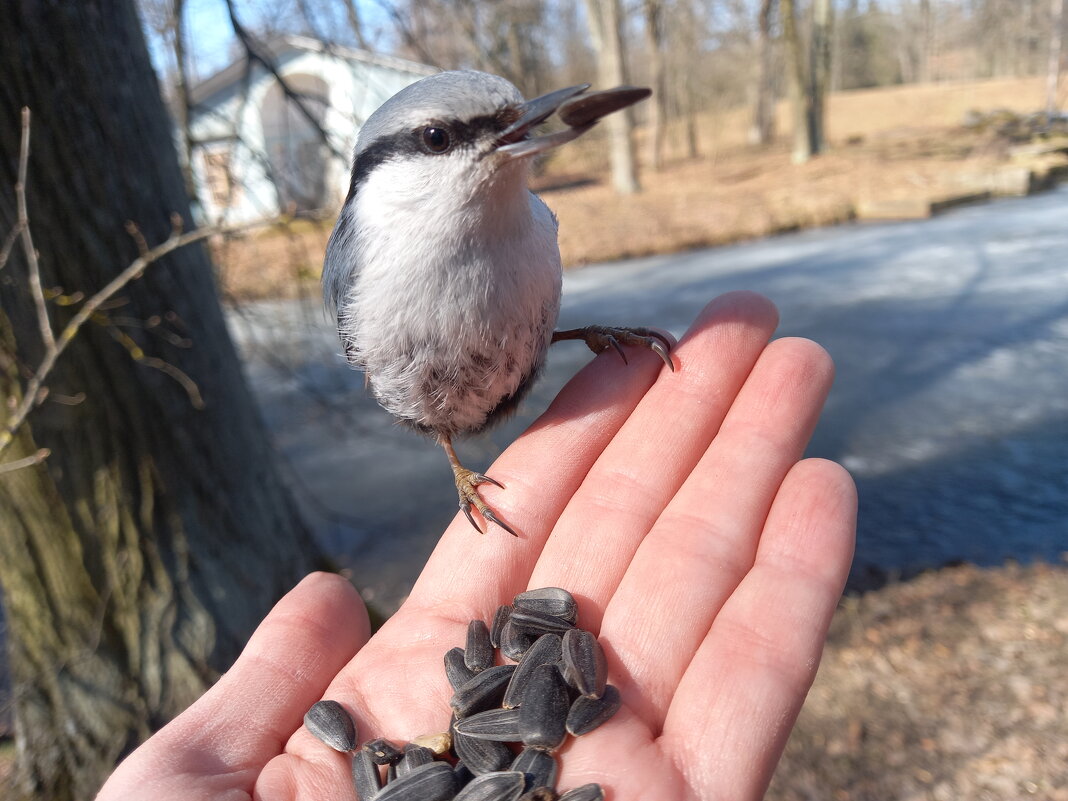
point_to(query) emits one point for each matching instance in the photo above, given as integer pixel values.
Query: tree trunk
(764, 109)
(607, 35)
(808, 86)
(138, 557)
(1053, 68)
(654, 45)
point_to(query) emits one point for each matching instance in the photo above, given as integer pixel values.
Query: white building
(255, 152)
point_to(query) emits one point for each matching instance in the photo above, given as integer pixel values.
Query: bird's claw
(466, 482)
(601, 338)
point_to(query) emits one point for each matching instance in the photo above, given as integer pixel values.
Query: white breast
(454, 301)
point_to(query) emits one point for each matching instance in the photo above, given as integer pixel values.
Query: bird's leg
(466, 483)
(599, 338)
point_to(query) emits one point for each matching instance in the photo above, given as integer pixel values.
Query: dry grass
(886, 143)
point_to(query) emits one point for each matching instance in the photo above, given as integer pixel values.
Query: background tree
(137, 558)
(764, 108)
(808, 71)
(604, 19)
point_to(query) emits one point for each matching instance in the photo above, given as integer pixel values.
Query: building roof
(280, 45)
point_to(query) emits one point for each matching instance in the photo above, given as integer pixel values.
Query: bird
(443, 269)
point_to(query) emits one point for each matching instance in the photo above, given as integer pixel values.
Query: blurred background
(888, 173)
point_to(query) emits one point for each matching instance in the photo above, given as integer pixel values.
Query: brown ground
(951, 686)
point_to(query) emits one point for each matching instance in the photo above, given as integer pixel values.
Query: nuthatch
(444, 269)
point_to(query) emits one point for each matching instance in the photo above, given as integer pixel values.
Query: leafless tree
(653, 11)
(808, 72)
(763, 130)
(604, 19)
(1053, 70)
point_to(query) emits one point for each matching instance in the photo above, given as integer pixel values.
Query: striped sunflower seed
(546, 650)
(586, 714)
(584, 664)
(430, 782)
(483, 691)
(329, 722)
(587, 792)
(498, 786)
(493, 724)
(538, 768)
(549, 600)
(478, 652)
(500, 617)
(456, 669)
(544, 709)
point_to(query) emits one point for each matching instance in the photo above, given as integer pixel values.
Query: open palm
(704, 552)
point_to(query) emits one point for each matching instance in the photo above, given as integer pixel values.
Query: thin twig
(27, 461)
(177, 240)
(28, 249)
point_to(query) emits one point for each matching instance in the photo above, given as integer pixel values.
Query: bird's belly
(456, 377)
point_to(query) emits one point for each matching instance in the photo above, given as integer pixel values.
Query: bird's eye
(436, 140)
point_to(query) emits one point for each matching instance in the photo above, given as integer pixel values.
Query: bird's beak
(577, 109)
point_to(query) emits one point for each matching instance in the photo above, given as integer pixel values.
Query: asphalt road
(950, 408)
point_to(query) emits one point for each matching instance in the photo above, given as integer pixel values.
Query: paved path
(951, 405)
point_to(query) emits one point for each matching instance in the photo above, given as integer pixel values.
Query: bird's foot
(600, 338)
(467, 482)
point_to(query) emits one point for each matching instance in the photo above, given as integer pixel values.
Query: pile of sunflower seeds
(507, 720)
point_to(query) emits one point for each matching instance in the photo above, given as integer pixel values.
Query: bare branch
(28, 461)
(32, 395)
(23, 224)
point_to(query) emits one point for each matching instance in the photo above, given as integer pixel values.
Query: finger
(705, 540)
(653, 453)
(470, 574)
(741, 693)
(246, 718)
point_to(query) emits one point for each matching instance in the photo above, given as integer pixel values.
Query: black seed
(430, 782)
(478, 653)
(538, 623)
(461, 774)
(544, 708)
(515, 641)
(584, 663)
(498, 786)
(484, 691)
(365, 776)
(481, 756)
(383, 752)
(546, 650)
(537, 766)
(499, 619)
(588, 713)
(493, 724)
(587, 792)
(549, 600)
(540, 794)
(414, 756)
(456, 669)
(329, 721)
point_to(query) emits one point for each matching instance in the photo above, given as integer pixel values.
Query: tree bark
(607, 35)
(1053, 68)
(136, 560)
(654, 44)
(808, 81)
(764, 109)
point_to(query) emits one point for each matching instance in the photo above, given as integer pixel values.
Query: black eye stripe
(409, 144)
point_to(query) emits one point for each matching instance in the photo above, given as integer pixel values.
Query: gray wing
(340, 266)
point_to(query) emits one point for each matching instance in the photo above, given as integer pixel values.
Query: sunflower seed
(584, 663)
(415, 756)
(587, 792)
(383, 752)
(544, 708)
(493, 724)
(483, 691)
(540, 794)
(549, 600)
(438, 743)
(515, 641)
(587, 714)
(592, 106)
(481, 756)
(538, 623)
(365, 776)
(499, 619)
(537, 766)
(546, 650)
(329, 721)
(461, 774)
(498, 786)
(478, 653)
(430, 782)
(456, 669)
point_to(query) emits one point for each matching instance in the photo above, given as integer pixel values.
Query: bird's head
(468, 135)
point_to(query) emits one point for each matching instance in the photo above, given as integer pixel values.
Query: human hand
(706, 556)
